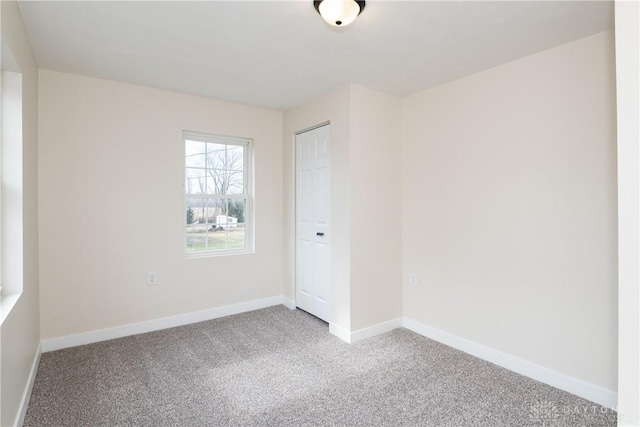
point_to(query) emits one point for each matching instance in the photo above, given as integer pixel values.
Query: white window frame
(247, 195)
(12, 208)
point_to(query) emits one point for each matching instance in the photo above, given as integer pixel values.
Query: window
(217, 194)
(12, 209)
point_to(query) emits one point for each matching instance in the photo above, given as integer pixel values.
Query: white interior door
(313, 232)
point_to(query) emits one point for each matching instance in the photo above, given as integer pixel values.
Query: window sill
(6, 305)
(196, 255)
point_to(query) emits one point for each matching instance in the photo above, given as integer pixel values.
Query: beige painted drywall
(333, 108)
(365, 183)
(374, 170)
(20, 332)
(509, 209)
(627, 34)
(111, 205)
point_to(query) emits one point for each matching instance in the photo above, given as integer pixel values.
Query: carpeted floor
(279, 367)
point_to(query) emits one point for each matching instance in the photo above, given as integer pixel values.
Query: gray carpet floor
(281, 367)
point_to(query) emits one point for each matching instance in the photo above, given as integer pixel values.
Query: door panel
(313, 236)
(305, 250)
(322, 280)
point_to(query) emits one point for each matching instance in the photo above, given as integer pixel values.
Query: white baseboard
(289, 303)
(340, 332)
(26, 395)
(374, 330)
(592, 392)
(361, 334)
(58, 343)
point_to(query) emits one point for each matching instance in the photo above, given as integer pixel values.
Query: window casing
(218, 199)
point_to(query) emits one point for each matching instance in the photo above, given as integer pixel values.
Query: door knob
(319, 234)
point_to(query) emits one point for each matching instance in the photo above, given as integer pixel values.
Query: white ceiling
(280, 54)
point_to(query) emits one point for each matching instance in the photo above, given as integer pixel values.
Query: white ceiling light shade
(339, 13)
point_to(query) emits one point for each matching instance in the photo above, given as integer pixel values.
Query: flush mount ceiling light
(339, 13)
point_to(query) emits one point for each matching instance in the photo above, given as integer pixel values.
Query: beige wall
(111, 205)
(20, 333)
(334, 108)
(375, 172)
(509, 209)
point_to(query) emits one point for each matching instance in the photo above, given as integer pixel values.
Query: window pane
(216, 156)
(216, 181)
(235, 158)
(235, 181)
(217, 207)
(195, 154)
(235, 224)
(223, 182)
(195, 181)
(216, 238)
(212, 211)
(196, 225)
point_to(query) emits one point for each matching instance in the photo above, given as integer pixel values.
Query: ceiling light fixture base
(339, 13)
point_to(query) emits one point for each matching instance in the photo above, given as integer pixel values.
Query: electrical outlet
(413, 279)
(152, 278)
